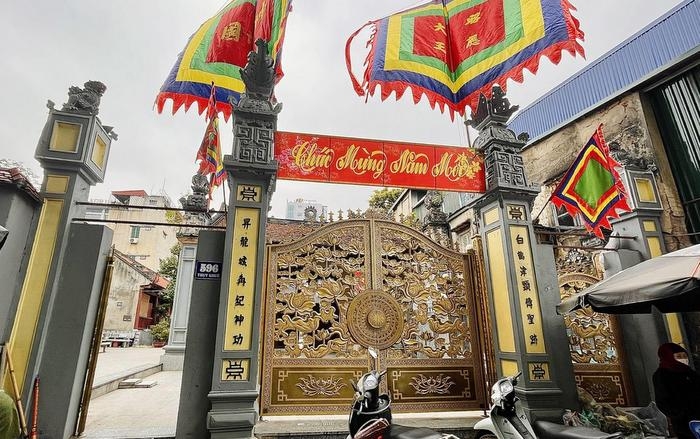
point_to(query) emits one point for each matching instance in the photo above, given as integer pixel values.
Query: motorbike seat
(550, 430)
(403, 432)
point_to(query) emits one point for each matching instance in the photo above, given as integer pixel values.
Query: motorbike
(507, 419)
(370, 415)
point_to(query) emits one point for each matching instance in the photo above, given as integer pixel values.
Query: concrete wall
(18, 214)
(123, 297)
(70, 322)
(154, 242)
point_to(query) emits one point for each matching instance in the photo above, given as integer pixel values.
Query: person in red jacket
(677, 389)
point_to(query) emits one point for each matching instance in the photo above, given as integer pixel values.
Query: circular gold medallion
(375, 319)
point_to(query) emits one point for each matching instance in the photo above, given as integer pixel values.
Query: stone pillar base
(233, 414)
(173, 358)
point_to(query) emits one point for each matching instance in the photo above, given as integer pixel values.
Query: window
(135, 231)
(562, 217)
(677, 109)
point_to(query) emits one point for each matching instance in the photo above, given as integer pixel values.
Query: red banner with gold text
(311, 157)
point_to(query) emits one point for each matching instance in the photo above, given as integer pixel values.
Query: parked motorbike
(370, 416)
(507, 419)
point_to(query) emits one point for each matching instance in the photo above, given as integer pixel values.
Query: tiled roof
(652, 50)
(13, 176)
(133, 193)
(146, 272)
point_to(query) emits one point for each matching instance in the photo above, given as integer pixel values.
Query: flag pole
(223, 190)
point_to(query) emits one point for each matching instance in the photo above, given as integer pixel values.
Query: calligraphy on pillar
(241, 293)
(530, 314)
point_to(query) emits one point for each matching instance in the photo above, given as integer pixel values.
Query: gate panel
(432, 366)
(595, 347)
(368, 282)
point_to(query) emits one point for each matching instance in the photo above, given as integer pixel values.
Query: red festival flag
(218, 50)
(209, 153)
(452, 51)
(592, 186)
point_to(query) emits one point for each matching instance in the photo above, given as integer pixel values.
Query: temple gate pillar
(251, 176)
(196, 205)
(61, 290)
(521, 279)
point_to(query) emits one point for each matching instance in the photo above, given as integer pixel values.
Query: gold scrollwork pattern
(594, 347)
(313, 288)
(591, 336)
(367, 282)
(430, 286)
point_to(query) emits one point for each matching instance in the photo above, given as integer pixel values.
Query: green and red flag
(452, 51)
(218, 50)
(592, 186)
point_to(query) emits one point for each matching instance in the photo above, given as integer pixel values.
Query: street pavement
(133, 413)
(152, 412)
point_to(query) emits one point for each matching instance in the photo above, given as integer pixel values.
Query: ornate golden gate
(595, 347)
(369, 282)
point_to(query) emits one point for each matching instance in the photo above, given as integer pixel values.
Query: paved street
(114, 361)
(152, 412)
(133, 413)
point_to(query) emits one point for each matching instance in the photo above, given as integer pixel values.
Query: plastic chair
(695, 428)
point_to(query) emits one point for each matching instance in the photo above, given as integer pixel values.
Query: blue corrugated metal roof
(655, 47)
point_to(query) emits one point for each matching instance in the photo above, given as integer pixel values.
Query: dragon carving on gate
(591, 336)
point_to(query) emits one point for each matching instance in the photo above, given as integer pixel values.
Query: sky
(131, 45)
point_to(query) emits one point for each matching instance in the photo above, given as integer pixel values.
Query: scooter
(370, 416)
(507, 419)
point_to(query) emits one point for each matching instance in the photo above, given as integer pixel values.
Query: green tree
(384, 198)
(168, 269)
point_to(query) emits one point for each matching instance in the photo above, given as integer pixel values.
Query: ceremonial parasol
(671, 283)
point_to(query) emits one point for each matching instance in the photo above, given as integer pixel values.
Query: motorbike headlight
(505, 387)
(370, 382)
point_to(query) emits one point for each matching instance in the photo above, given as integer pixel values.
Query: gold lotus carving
(314, 386)
(426, 385)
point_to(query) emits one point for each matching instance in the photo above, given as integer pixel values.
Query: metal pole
(146, 223)
(95, 347)
(130, 206)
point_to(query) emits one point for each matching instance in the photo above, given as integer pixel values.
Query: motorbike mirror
(354, 386)
(372, 351)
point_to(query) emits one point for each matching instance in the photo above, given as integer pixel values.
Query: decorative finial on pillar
(435, 223)
(196, 205)
(85, 101)
(197, 200)
(258, 75)
(497, 109)
(501, 147)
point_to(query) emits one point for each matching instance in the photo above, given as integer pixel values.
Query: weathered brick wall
(629, 122)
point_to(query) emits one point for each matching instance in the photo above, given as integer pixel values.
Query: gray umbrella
(671, 283)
